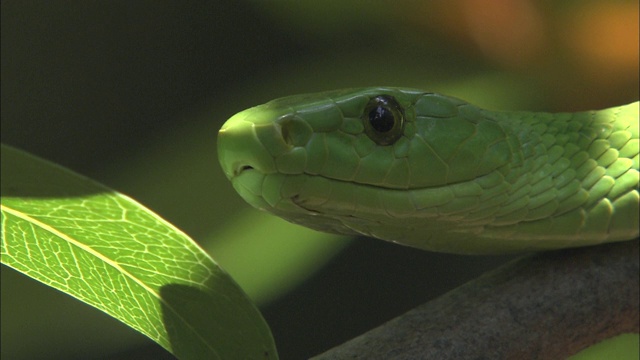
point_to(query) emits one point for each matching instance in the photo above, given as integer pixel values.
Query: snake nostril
(295, 131)
(285, 131)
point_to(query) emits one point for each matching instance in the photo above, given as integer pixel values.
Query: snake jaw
(298, 201)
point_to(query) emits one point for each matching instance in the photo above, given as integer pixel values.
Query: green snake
(437, 173)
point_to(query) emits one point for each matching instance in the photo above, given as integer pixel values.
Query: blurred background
(132, 93)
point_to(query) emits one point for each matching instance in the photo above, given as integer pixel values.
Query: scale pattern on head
(436, 140)
(419, 168)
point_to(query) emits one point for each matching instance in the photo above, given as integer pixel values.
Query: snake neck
(573, 174)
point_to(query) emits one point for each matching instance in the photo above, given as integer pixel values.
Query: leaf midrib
(107, 260)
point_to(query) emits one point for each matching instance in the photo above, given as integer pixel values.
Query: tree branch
(548, 305)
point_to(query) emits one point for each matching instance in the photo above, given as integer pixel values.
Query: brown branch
(546, 306)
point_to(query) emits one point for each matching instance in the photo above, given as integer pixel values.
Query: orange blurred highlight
(605, 37)
(509, 31)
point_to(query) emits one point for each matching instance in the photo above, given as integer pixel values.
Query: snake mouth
(239, 169)
(298, 201)
(242, 168)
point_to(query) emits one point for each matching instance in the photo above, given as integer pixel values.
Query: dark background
(133, 93)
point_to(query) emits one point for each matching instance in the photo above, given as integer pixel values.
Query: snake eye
(383, 120)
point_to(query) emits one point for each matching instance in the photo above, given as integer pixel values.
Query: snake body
(437, 173)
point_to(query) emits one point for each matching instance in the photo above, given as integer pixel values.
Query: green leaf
(620, 347)
(108, 251)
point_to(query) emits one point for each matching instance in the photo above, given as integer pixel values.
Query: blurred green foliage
(623, 347)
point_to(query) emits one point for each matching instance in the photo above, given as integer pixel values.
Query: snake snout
(239, 151)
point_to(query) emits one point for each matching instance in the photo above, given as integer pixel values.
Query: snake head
(348, 161)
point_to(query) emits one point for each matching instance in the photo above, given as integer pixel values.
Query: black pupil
(381, 119)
